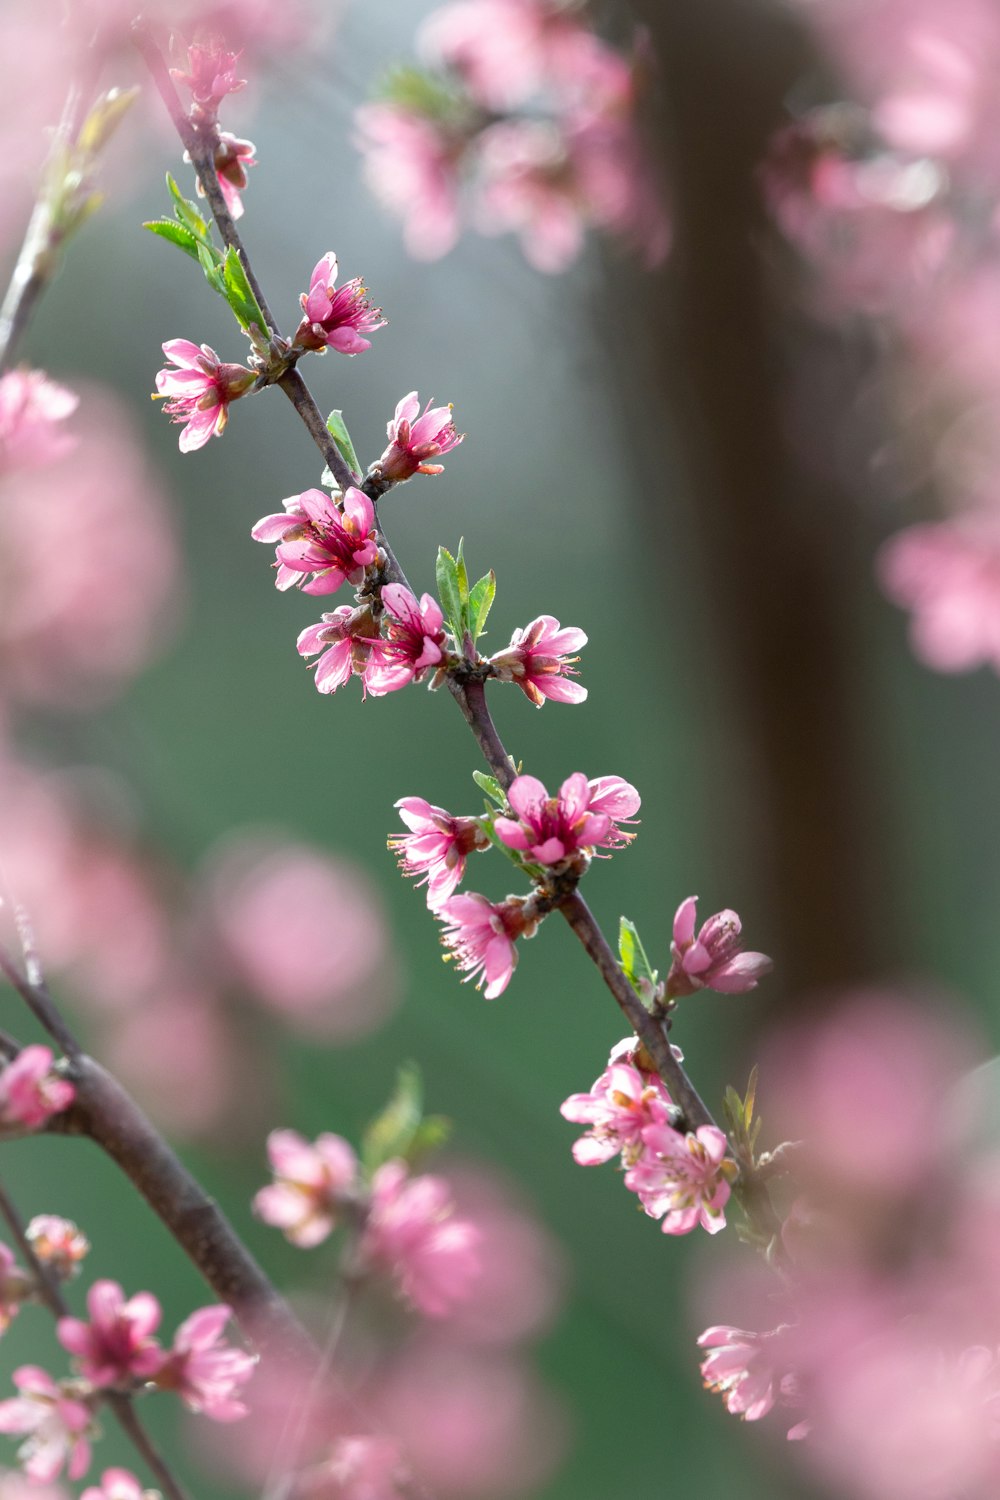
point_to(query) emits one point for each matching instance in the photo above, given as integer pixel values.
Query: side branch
(111, 1118)
(119, 1401)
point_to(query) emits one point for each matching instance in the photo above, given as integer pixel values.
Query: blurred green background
(585, 483)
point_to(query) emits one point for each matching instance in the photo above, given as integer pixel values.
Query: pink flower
(210, 76)
(32, 407)
(436, 847)
(527, 186)
(683, 1178)
(414, 438)
(619, 1107)
(412, 165)
(552, 829)
(744, 1369)
(336, 319)
(481, 936)
(948, 575)
(410, 1232)
(232, 157)
(311, 1183)
(414, 641)
(200, 390)
(30, 1092)
(15, 1286)
(58, 1244)
(503, 50)
(537, 660)
(345, 638)
(713, 960)
(116, 1484)
(314, 536)
(204, 1370)
(117, 1346)
(56, 1426)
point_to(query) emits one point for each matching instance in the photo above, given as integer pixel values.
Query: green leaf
(393, 1132)
(751, 1097)
(211, 263)
(480, 603)
(429, 1136)
(187, 211)
(491, 787)
(463, 576)
(337, 428)
(105, 115)
(169, 229)
(450, 592)
(638, 970)
(239, 293)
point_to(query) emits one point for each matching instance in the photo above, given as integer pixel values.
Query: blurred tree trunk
(785, 555)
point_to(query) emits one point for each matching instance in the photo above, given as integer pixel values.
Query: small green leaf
(393, 1132)
(748, 1105)
(187, 211)
(480, 603)
(211, 263)
(429, 1136)
(449, 592)
(463, 575)
(337, 428)
(169, 229)
(239, 293)
(638, 970)
(491, 787)
(105, 115)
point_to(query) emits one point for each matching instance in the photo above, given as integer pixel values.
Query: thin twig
(42, 1006)
(119, 1401)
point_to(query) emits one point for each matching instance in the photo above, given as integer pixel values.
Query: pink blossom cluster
(680, 1177)
(558, 833)
(892, 197)
(410, 1233)
(117, 1350)
(880, 1344)
(449, 1403)
(530, 116)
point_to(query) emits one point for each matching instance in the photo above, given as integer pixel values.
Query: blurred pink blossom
(472, 1423)
(116, 1484)
(745, 1369)
(205, 1371)
(30, 1091)
(412, 166)
(304, 932)
(311, 1184)
(948, 575)
(32, 411)
(84, 608)
(57, 1426)
(411, 1234)
(117, 1346)
(505, 51)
